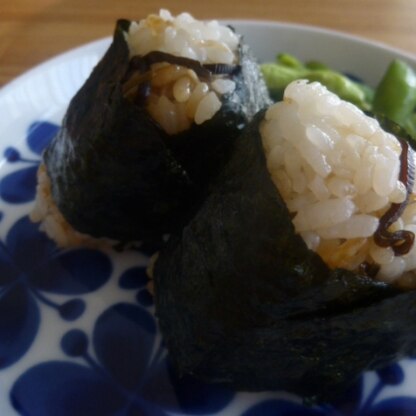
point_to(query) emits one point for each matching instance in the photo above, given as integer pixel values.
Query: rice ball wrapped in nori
(269, 288)
(148, 130)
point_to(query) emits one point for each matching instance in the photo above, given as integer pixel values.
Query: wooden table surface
(34, 30)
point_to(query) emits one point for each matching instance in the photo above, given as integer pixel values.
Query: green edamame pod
(287, 68)
(340, 85)
(289, 61)
(315, 65)
(395, 96)
(277, 77)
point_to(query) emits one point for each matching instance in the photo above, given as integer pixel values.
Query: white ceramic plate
(64, 315)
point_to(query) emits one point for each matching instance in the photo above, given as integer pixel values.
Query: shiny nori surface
(242, 301)
(115, 173)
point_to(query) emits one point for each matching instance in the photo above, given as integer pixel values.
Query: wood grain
(32, 31)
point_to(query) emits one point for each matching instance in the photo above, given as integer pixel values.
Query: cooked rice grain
(174, 85)
(337, 171)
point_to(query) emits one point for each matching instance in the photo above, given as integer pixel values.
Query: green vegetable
(287, 69)
(340, 85)
(277, 77)
(289, 61)
(368, 93)
(395, 96)
(316, 65)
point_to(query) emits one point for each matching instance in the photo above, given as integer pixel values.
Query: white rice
(182, 35)
(178, 98)
(337, 171)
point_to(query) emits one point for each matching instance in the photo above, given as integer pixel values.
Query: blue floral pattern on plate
(63, 325)
(129, 376)
(127, 372)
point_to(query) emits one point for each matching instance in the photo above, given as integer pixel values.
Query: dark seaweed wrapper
(115, 173)
(242, 301)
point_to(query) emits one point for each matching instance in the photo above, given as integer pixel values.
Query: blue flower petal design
(136, 278)
(28, 246)
(72, 310)
(65, 389)
(133, 278)
(30, 265)
(75, 343)
(74, 272)
(398, 406)
(121, 379)
(8, 271)
(11, 154)
(40, 134)
(124, 339)
(19, 186)
(391, 375)
(19, 323)
(144, 298)
(282, 408)
(71, 272)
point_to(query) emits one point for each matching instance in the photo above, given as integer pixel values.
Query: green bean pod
(395, 96)
(288, 68)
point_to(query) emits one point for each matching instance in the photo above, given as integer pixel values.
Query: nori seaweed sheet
(242, 301)
(115, 173)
